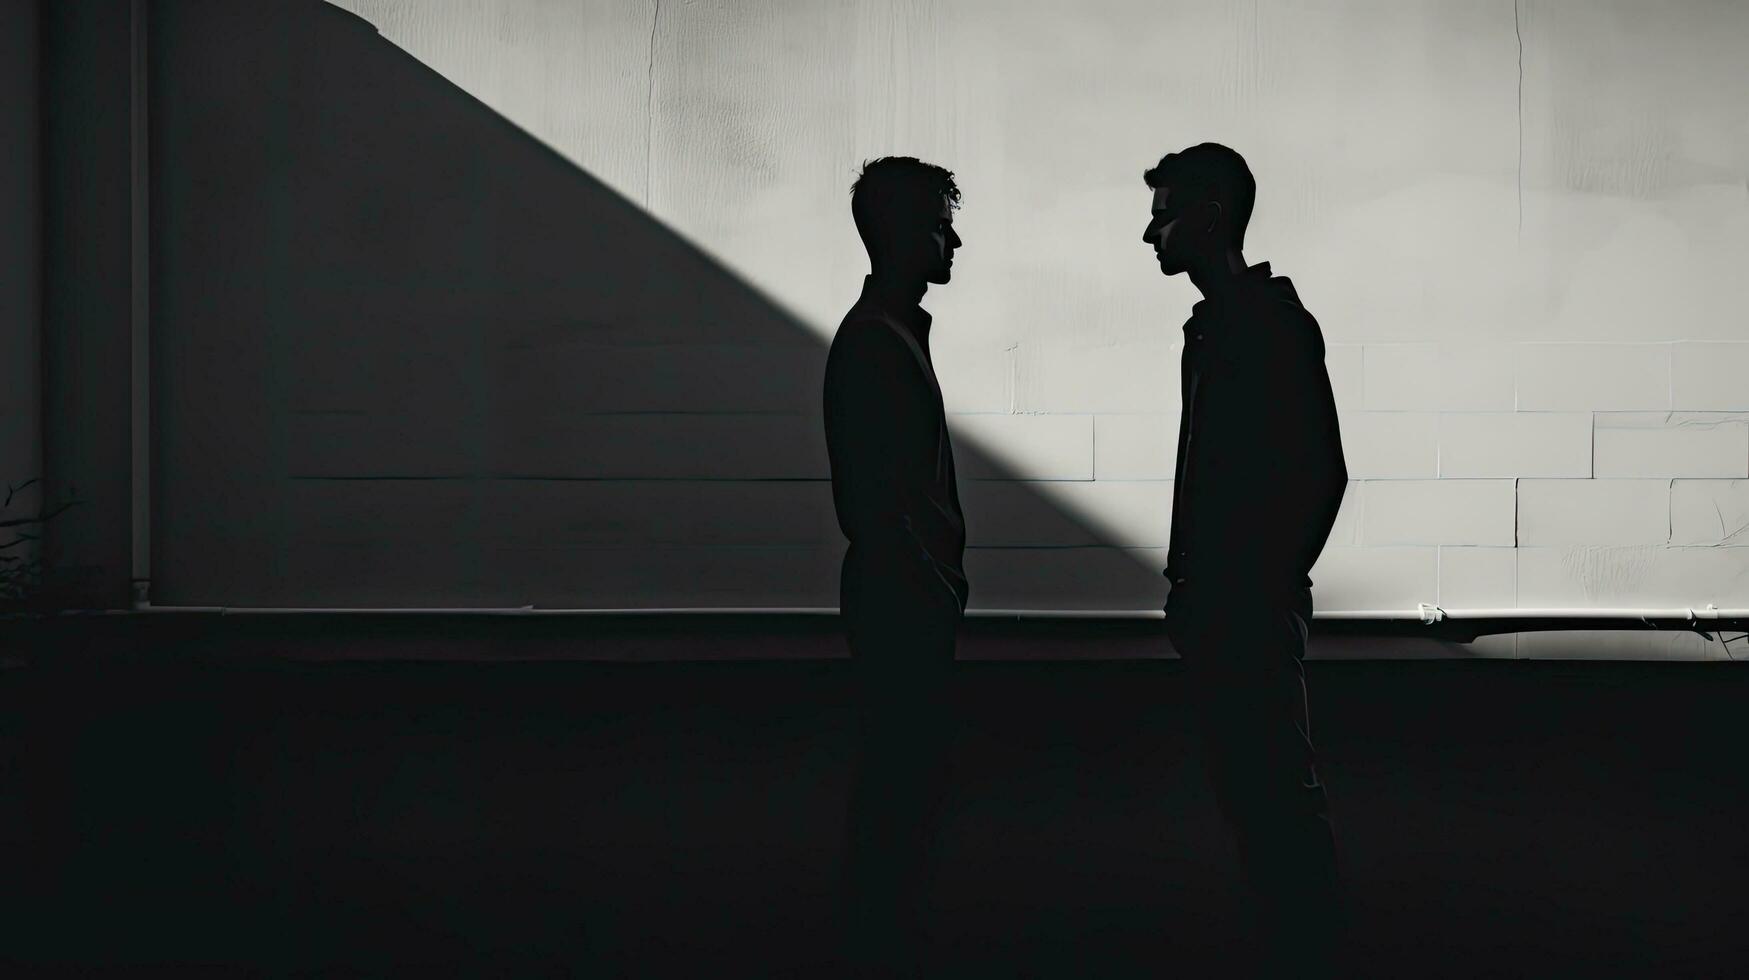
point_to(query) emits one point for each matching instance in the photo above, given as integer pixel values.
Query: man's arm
(877, 428)
(1313, 458)
(1288, 480)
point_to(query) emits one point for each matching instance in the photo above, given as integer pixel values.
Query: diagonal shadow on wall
(406, 355)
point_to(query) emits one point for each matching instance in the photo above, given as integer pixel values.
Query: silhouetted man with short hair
(1259, 478)
(902, 589)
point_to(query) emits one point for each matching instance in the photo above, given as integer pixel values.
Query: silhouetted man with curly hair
(902, 588)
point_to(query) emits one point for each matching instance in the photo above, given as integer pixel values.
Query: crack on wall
(650, 98)
(1093, 451)
(1518, 32)
(1697, 420)
(1013, 377)
(1669, 511)
(1439, 574)
(1617, 421)
(1591, 460)
(1515, 509)
(1727, 535)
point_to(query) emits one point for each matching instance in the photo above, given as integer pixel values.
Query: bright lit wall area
(1521, 226)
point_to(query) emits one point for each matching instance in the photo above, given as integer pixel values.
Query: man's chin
(941, 276)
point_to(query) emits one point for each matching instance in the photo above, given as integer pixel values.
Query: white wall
(1520, 271)
(1522, 228)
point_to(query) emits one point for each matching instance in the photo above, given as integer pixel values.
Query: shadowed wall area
(406, 355)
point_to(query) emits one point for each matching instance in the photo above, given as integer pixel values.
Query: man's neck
(906, 289)
(1218, 279)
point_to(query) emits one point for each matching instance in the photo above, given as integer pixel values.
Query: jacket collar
(1209, 320)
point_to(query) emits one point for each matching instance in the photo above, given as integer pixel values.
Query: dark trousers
(903, 659)
(1250, 695)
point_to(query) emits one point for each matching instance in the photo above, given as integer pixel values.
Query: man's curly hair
(894, 194)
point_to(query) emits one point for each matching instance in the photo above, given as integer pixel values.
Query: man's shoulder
(1277, 303)
(866, 330)
(863, 314)
(868, 347)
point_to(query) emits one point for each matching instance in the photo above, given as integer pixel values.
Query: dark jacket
(1260, 470)
(892, 462)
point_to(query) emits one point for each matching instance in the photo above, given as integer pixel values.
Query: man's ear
(1214, 216)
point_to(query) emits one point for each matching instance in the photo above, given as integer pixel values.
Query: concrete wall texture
(1521, 225)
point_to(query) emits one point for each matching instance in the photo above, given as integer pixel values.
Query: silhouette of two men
(1259, 477)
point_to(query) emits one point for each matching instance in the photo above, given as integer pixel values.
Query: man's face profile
(943, 240)
(1165, 232)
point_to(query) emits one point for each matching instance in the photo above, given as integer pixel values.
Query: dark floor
(1496, 819)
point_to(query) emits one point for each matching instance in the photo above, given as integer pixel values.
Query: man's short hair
(1210, 172)
(894, 192)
